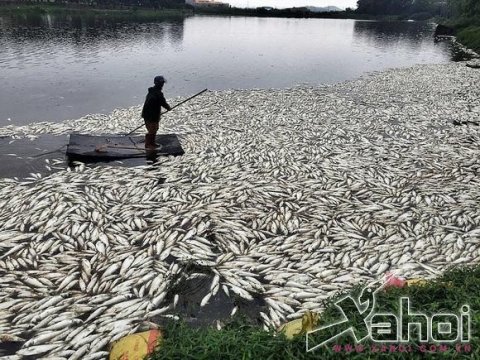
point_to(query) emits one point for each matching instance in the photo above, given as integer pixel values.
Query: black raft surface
(114, 147)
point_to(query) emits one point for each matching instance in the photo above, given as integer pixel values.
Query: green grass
(470, 37)
(242, 339)
(468, 30)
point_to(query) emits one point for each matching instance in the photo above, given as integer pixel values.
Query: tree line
(413, 9)
(148, 4)
(466, 8)
(440, 8)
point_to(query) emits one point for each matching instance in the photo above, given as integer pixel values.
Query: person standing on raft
(152, 110)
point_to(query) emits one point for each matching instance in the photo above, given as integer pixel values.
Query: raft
(89, 148)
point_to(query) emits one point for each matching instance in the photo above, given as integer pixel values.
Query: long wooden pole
(184, 101)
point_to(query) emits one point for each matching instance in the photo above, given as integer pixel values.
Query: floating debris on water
(288, 195)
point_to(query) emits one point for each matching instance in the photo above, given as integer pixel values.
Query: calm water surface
(61, 67)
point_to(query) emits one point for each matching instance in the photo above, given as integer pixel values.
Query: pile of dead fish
(290, 194)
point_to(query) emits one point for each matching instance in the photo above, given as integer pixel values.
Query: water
(61, 67)
(58, 67)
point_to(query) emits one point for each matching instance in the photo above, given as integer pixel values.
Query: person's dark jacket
(153, 102)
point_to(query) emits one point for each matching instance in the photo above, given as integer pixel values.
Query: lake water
(61, 67)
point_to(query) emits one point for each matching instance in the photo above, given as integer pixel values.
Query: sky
(291, 3)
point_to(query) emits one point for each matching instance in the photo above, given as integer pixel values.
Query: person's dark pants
(152, 127)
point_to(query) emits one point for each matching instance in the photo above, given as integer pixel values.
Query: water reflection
(41, 40)
(414, 36)
(86, 29)
(394, 29)
(393, 35)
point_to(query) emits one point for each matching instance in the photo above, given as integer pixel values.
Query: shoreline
(87, 10)
(74, 125)
(287, 194)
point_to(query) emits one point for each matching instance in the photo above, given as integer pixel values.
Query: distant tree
(383, 7)
(472, 7)
(397, 7)
(369, 6)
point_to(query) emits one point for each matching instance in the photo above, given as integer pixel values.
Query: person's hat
(159, 80)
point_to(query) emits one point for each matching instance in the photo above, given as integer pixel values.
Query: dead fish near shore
(349, 181)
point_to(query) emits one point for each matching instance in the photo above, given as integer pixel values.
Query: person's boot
(154, 142)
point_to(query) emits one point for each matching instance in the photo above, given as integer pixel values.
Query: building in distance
(206, 3)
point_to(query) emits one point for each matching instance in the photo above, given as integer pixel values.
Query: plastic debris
(393, 281)
(308, 322)
(136, 346)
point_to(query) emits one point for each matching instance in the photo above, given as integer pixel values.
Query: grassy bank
(241, 339)
(467, 29)
(470, 37)
(53, 9)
